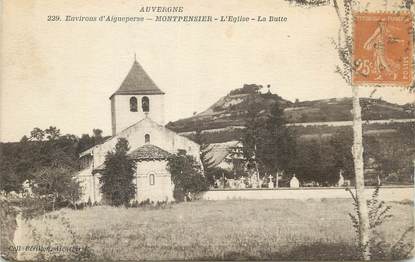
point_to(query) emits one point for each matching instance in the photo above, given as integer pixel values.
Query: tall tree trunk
(360, 182)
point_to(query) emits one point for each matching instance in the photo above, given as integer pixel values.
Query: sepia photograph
(194, 130)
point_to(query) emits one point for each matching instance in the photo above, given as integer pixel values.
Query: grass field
(246, 229)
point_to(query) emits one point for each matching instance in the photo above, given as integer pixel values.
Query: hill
(229, 112)
(323, 133)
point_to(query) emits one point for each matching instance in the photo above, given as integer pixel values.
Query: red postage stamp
(382, 49)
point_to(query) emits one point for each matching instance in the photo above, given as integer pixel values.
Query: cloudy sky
(62, 73)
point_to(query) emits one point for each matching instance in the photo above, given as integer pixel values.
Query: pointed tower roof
(138, 82)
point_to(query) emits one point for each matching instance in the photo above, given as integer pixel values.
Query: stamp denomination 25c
(382, 49)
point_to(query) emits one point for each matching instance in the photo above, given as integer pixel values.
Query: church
(137, 114)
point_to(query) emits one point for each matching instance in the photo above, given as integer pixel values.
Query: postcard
(207, 130)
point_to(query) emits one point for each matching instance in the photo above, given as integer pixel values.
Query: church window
(145, 103)
(147, 138)
(152, 179)
(133, 104)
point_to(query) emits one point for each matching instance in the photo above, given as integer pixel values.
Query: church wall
(113, 117)
(123, 117)
(89, 185)
(162, 189)
(159, 136)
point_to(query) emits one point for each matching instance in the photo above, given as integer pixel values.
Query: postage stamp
(382, 49)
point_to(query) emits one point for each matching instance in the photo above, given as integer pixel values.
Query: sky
(63, 73)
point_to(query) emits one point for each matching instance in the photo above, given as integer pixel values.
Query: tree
(251, 135)
(205, 150)
(315, 163)
(24, 139)
(278, 145)
(9, 180)
(117, 177)
(52, 133)
(20, 161)
(37, 134)
(97, 135)
(187, 176)
(340, 143)
(267, 143)
(344, 46)
(86, 141)
(54, 169)
(59, 184)
(393, 155)
(218, 173)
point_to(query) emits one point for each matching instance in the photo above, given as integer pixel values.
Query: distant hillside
(339, 109)
(230, 111)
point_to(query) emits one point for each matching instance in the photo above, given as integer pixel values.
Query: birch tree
(343, 44)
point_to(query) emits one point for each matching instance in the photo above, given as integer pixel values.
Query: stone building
(137, 113)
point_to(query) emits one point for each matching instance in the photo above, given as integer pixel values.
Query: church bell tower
(138, 97)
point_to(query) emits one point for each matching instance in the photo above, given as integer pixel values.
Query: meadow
(213, 230)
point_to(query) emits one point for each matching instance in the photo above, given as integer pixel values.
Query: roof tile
(149, 152)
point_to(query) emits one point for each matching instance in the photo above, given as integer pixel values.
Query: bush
(149, 204)
(246, 89)
(7, 229)
(217, 173)
(187, 176)
(118, 175)
(378, 213)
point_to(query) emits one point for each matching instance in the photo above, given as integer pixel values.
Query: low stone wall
(387, 193)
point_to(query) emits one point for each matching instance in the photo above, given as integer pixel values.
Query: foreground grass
(245, 229)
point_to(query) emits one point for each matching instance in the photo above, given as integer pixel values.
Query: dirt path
(22, 238)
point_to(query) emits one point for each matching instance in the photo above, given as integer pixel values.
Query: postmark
(382, 49)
